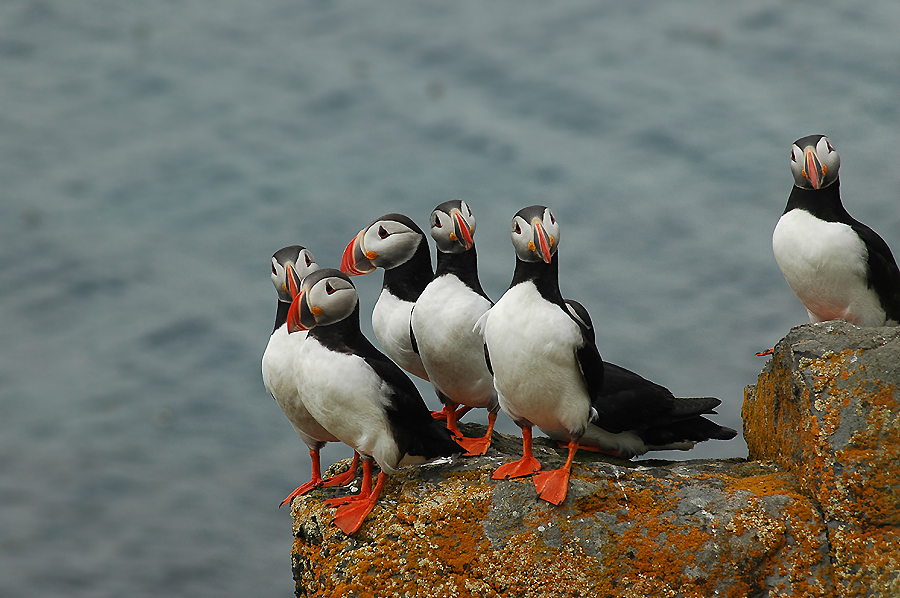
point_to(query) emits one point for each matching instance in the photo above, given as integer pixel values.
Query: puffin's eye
(437, 222)
(383, 233)
(830, 148)
(517, 230)
(552, 219)
(468, 209)
(793, 157)
(308, 261)
(274, 271)
(329, 289)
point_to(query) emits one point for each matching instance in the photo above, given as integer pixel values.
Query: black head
(296, 258)
(453, 226)
(326, 296)
(388, 242)
(535, 234)
(814, 162)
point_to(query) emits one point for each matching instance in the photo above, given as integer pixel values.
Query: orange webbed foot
(350, 517)
(525, 466)
(474, 446)
(301, 490)
(552, 485)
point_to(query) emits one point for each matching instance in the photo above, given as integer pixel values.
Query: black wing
(694, 429)
(883, 275)
(412, 335)
(631, 402)
(587, 355)
(415, 431)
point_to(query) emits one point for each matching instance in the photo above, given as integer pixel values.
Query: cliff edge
(813, 512)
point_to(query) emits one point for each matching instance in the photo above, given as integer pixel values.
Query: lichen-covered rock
(813, 514)
(827, 408)
(697, 528)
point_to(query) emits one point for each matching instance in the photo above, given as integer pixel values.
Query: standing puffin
(289, 266)
(549, 373)
(393, 242)
(357, 393)
(443, 320)
(837, 266)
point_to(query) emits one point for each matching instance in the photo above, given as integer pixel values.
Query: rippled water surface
(154, 155)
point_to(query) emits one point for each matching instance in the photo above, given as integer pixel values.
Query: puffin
(837, 266)
(289, 266)
(358, 393)
(549, 373)
(395, 243)
(443, 324)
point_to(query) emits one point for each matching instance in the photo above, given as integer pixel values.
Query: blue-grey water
(154, 155)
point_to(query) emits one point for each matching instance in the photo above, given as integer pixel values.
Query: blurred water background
(154, 155)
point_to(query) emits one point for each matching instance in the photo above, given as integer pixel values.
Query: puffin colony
(532, 354)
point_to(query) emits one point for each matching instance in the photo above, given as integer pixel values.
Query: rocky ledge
(814, 511)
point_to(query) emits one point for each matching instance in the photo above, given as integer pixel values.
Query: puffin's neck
(281, 314)
(544, 276)
(409, 279)
(344, 336)
(824, 204)
(463, 266)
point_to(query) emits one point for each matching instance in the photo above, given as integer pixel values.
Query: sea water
(154, 155)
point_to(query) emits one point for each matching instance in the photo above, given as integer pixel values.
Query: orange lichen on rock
(813, 515)
(832, 417)
(667, 530)
(827, 408)
(866, 559)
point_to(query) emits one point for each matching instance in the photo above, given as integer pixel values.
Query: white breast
(532, 347)
(451, 351)
(390, 322)
(346, 395)
(279, 377)
(825, 265)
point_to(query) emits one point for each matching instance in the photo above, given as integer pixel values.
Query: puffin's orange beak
(814, 170)
(542, 241)
(293, 280)
(461, 230)
(299, 316)
(355, 261)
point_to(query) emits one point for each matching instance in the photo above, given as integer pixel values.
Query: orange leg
(314, 482)
(450, 414)
(342, 479)
(766, 352)
(525, 466)
(442, 414)
(478, 446)
(553, 485)
(364, 490)
(593, 449)
(352, 510)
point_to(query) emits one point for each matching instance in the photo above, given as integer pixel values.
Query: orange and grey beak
(293, 280)
(300, 316)
(542, 241)
(813, 169)
(462, 234)
(356, 260)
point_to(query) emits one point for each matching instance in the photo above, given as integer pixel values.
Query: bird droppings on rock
(810, 520)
